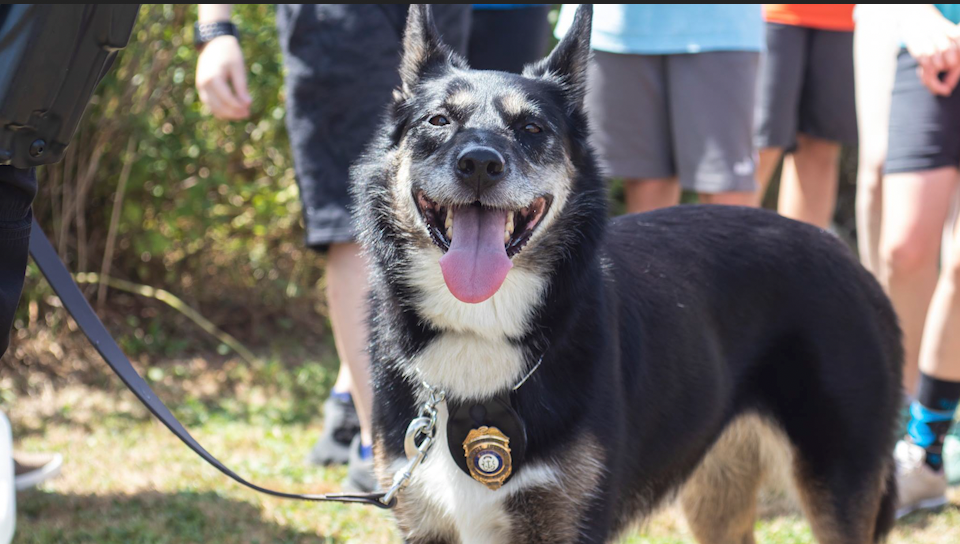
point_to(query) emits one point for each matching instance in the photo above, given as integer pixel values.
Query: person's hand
(935, 44)
(222, 79)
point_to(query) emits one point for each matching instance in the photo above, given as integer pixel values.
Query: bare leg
(730, 199)
(911, 228)
(347, 288)
(869, 210)
(808, 185)
(940, 348)
(875, 48)
(643, 195)
(769, 159)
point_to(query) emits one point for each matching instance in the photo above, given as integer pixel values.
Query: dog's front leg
(545, 515)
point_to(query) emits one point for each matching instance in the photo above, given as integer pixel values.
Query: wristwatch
(204, 32)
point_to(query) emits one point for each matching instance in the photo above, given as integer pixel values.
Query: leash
(76, 304)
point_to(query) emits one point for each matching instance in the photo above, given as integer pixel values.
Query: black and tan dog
(675, 345)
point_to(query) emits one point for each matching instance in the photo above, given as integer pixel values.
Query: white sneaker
(918, 486)
(30, 469)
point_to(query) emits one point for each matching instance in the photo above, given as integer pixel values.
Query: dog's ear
(567, 63)
(423, 51)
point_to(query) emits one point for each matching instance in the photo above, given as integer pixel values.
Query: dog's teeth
(508, 229)
(448, 224)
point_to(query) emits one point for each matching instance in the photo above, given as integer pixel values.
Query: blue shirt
(950, 11)
(658, 29)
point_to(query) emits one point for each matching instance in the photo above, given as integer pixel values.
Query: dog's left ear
(567, 63)
(423, 51)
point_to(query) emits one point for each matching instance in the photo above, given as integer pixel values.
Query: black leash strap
(73, 300)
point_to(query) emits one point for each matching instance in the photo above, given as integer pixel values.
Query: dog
(582, 371)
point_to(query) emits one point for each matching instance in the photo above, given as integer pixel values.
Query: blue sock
(931, 416)
(366, 452)
(342, 396)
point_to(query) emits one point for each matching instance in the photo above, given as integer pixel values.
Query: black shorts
(508, 39)
(805, 86)
(342, 65)
(924, 128)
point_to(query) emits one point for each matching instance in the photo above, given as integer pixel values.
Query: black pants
(508, 39)
(17, 189)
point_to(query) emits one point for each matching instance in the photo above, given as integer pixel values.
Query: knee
(905, 258)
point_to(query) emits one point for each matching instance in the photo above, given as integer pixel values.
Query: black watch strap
(204, 32)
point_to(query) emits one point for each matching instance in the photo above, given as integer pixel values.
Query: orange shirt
(823, 16)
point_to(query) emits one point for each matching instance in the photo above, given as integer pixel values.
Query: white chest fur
(446, 496)
(473, 357)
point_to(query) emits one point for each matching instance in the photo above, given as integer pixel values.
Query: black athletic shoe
(340, 425)
(360, 475)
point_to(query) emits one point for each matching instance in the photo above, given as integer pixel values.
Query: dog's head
(485, 171)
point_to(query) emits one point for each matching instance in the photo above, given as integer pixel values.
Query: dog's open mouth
(478, 242)
(517, 228)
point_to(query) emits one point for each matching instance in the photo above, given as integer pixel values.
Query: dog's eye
(532, 128)
(439, 120)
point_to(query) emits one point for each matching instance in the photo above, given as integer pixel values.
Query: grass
(126, 479)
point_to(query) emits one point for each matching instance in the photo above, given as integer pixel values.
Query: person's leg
(808, 184)
(916, 207)
(826, 118)
(778, 97)
(768, 160)
(17, 190)
(508, 39)
(347, 289)
(730, 198)
(333, 109)
(644, 195)
(627, 105)
(711, 115)
(940, 348)
(875, 48)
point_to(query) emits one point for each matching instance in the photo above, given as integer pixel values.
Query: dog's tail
(887, 513)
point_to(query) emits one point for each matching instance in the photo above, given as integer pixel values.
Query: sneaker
(951, 459)
(340, 425)
(30, 469)
(360, 475)
(918, 486)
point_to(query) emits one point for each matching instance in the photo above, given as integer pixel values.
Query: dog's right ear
(423, 51)
(567, 63)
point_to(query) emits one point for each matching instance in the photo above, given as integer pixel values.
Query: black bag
(51, 59)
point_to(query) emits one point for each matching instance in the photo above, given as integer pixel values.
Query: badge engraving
(488, 456)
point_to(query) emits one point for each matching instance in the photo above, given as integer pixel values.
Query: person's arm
(221, 73)
(934, 42)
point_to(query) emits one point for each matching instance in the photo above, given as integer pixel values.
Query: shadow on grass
(149, 517)
(923, 518)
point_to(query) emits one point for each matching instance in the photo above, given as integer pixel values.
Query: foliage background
(209, 209)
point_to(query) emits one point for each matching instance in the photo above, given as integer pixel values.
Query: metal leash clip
(424, 425)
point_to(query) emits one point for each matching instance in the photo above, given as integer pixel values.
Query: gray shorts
(342, 65)
(684, 115)
(805, 86)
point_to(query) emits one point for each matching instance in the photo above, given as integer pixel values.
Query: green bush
(210, 209)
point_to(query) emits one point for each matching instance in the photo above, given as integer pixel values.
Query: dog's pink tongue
(476, 264)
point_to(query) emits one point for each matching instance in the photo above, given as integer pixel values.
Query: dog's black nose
(480, 168)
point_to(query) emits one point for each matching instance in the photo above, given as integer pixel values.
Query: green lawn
(126, 479)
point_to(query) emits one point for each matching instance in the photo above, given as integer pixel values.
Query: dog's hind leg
(844, 509)
(720, 499)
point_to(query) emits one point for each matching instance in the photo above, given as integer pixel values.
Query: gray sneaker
(340, 425)
(360, 475)
(918, 486)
